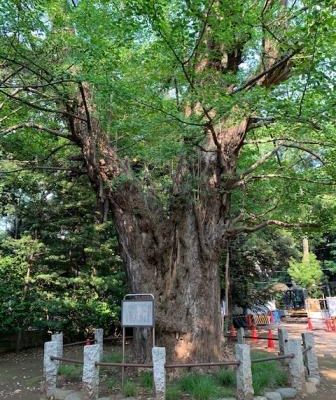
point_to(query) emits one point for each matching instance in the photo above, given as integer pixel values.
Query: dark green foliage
(59, 270)
(257, 262)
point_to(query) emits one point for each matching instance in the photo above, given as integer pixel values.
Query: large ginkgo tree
(194, 121)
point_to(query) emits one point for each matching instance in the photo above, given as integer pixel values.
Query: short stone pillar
(58, 338)
(50, 368)
(296, 366)
(310, 356)
(99, 339)
(241, 336)
(244, 373)
(283, 343)
(159, 373)
(91, 372)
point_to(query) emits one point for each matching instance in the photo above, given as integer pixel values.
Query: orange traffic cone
(327, 323)
(333, 325)
(254, 334)
(233, 332)
(310, 325)
(270, 341)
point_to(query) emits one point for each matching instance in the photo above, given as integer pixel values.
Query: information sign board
(137, 313)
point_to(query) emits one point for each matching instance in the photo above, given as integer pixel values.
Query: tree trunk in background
(305, 245)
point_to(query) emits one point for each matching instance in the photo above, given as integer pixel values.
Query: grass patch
(226, 377)
(267, 374)
(113, 358)
(129, 389)
(223, 383)
(146, 380)
(111, 383)
(200, 387)
(173, 393)
(71, 372)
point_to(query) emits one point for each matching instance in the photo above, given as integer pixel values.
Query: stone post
(283, 340)
(50, 368)
(241, 336)
(99, 339)
(244, 373)
(58, 338)
(91, 372)
(310, 357)
(296, 367)
(159, 373)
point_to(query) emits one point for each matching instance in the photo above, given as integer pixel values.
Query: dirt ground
(20, 374)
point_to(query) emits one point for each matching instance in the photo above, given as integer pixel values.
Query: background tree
(258, 262)
(59, 268)
(189, 119)
(307, 273)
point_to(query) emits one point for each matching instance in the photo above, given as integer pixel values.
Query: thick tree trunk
(184, 280)
(173, 254)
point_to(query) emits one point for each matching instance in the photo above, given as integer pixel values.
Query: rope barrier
(78, 343)
(94, 341)
(258, 360)
(129, 365)
(251, 337)
(189, 365)
(66, 360)
(209, 364)
(306, 349)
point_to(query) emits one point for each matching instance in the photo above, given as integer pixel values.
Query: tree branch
(299, 147)
(251, 82)
(38, 127)
(288, 139)
(286, 177)
(257, 164)
(199, 39)
(248, 229)
(40, 108)
(46, 168)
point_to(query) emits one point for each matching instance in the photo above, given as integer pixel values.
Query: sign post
(137, 311)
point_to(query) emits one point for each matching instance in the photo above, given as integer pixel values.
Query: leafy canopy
(307, 273)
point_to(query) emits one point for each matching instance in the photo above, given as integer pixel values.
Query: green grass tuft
(111, 383)
(129, 389)
(146, 380)
(200, 387)
(113, 358)
(173, 393)
(267, 374)
(226, 377)
(71, 372)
